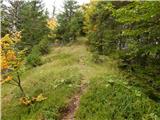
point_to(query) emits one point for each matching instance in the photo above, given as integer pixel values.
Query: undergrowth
(55, 82)
(110, 98)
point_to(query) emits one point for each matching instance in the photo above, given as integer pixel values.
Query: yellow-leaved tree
(11, 60)
(52, 24)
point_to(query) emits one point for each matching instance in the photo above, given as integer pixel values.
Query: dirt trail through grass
(69, 112)
(88, 70)
(73, 105)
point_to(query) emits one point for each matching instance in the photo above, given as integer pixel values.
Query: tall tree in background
(69, 22)
(4, 20)
(10, 13)
(28, 17)
(101, 27)
(33, 23)
(54, 10)
(70, 7)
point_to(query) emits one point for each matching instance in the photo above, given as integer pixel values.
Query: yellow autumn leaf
(40, 97)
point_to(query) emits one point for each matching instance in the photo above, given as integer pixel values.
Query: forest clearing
(99, 60)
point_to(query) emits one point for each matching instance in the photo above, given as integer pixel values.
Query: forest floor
(77, 89)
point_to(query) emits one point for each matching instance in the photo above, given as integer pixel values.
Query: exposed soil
(69, 112)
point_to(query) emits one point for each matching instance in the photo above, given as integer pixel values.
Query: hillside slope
(78, 88)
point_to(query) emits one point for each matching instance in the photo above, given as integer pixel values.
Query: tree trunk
(19, 84)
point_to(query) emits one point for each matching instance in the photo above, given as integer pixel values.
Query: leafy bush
(33, 58)
(40, 49)
(43, 45)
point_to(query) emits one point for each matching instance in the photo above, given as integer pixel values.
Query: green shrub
(33, 58)
(43, 45)
(42, 48)
(96, 58)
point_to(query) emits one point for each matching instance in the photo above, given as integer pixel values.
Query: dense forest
(93, 61)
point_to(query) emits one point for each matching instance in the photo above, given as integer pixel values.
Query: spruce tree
(33, 23)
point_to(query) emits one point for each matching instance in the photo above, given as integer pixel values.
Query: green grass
(57, 79)
(57, 86)
(110, 98)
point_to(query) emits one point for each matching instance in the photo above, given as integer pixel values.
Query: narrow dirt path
(73, 104)
(69, 113)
